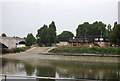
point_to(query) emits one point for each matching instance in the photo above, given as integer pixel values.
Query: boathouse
(93, 41)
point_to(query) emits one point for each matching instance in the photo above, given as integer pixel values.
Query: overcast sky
(20, 17)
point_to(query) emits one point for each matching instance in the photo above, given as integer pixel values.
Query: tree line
(95, 29)
(47, 35)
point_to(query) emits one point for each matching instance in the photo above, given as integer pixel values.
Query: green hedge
(93, 50)
(14, 50)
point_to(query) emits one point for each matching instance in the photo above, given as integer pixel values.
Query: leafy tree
(30, 40)
(83, 29)
(24, 38)
(115, 35)
(95, 29)
(115, 23)
(47, 35)
(4, 35)
(65, 34)
(108, 30)
(52, 33)
(98, 29)
(16, 37)
(43, 35)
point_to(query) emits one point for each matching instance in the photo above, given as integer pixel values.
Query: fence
(36, 77)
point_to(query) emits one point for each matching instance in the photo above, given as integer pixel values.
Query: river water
(62, 69)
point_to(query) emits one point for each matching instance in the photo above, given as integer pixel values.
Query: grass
(80, 50)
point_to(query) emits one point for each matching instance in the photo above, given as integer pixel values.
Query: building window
(101, 39)
(96, 39)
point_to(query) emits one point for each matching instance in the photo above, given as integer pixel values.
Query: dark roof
(85, 39)
(78, 39)
(65, 39)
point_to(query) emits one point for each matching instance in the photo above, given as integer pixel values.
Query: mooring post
(5, 78)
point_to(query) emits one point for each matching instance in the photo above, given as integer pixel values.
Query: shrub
(14, 50)
(4, 51)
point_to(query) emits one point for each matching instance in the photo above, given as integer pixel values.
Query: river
(71, 69)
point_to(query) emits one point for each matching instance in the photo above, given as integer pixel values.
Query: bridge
(11, 42)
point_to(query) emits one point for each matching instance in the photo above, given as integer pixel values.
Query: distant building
(85, 41)
(64, 41)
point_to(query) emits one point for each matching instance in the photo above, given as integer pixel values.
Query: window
(101, 39)
(96, 39)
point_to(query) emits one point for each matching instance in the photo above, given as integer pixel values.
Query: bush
(4, 51)
(14, 50)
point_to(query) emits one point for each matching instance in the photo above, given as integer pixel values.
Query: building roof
(84, 39)
(65, 39)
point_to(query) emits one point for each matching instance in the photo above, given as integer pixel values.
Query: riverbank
(41, 53)
(86, 50)
(31, 51)
(37, 57)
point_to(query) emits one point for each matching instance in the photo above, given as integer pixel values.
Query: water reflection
(62, 69)
(45, 72)
(29, 69)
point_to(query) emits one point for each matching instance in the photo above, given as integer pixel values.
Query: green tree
(43, 35)
(115, 35)
(65, 34)
(108, 30)
(95, 29)
(47, 35)
(30, 40)
(83, 29)
(98, 29)
(52, 33)
(115, 23)
(4, 35)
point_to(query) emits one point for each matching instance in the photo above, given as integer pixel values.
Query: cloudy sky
(20, 17)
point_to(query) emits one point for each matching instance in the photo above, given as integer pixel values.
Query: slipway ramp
(36, 50)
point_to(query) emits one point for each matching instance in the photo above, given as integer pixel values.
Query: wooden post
(72, 43)
(5, 78)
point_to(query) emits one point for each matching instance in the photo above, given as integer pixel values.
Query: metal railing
(52, 78)
(36, 77)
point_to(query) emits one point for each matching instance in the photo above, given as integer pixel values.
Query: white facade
(20, 45)
(63, 44)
